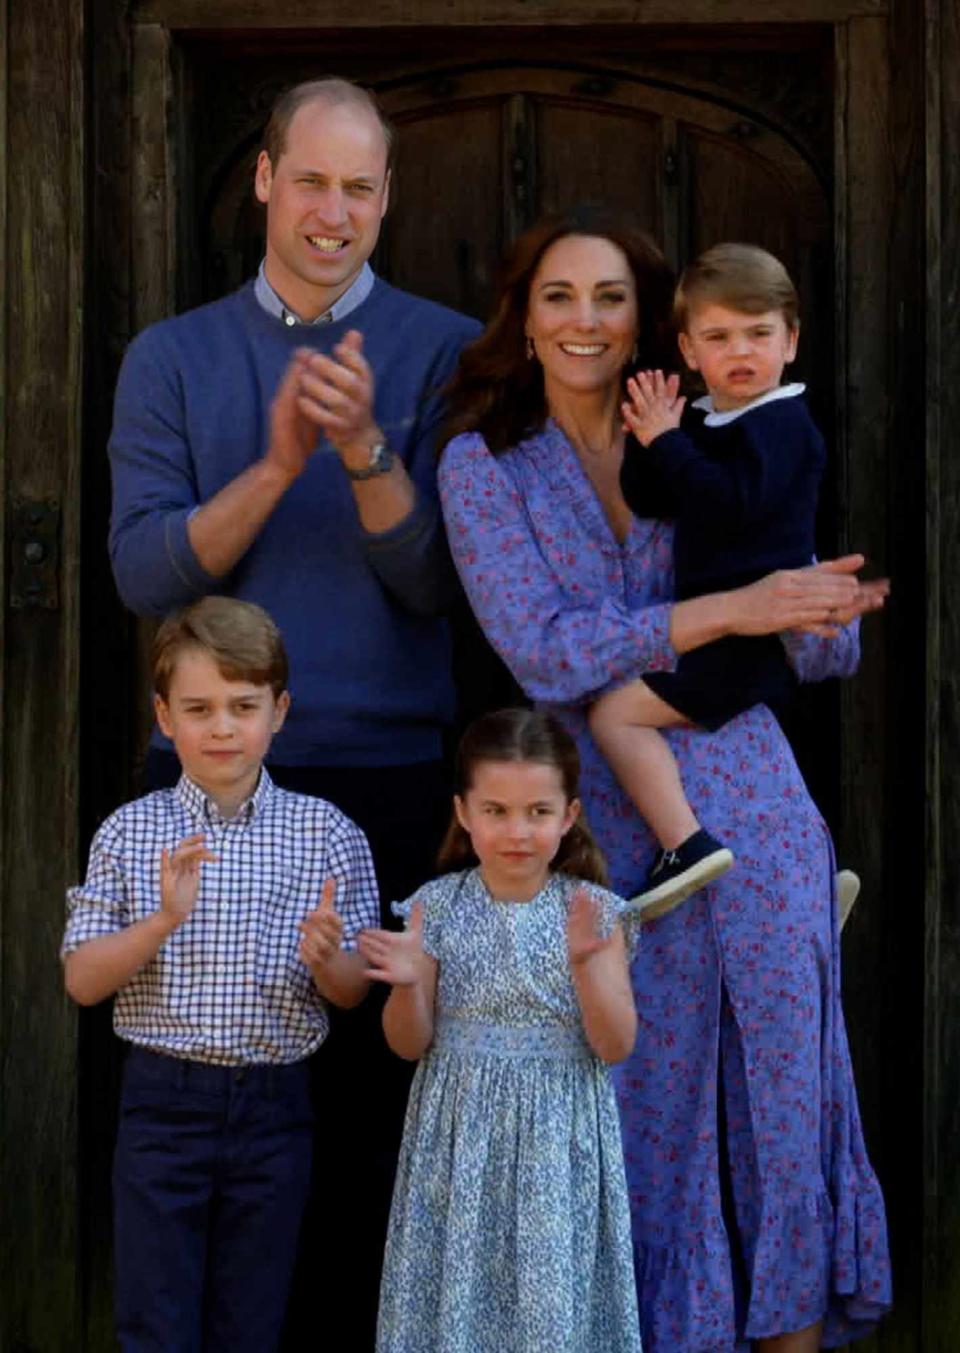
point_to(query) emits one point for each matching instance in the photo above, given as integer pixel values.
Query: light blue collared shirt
(354, 296)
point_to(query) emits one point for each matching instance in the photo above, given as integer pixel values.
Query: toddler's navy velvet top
(742, 490)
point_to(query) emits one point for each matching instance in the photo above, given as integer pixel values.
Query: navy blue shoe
(675, 874)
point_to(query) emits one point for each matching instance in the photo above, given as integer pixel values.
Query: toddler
(740, 479)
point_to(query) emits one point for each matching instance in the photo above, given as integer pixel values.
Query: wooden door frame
(42, 205)
(896, 265)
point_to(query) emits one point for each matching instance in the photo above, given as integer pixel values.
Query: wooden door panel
(600, 154)
(443, 235)
(736, 195)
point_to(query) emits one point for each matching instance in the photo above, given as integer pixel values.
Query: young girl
(510, 1227)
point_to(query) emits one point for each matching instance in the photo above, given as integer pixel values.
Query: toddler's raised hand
(583, 939)
(654, 406)
(395, 957)
(180, 877)
(321, 930)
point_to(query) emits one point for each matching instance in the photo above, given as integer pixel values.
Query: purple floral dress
(755, 1210)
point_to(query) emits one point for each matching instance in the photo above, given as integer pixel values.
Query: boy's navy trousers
(211, 1174)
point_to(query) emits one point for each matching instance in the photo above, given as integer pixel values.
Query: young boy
(223, 913)
(741, 480)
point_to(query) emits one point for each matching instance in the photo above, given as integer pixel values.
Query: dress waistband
(453, 1034)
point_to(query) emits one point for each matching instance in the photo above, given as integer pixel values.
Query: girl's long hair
(498, 389)
(523, 735)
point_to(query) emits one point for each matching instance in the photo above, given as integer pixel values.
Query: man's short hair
(240, 637)
(331, 90)
(740, 276)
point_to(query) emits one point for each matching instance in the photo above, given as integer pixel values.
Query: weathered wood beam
(885, 716)
(883, 1027)
(239, 14)
(43, 283)
(941, 158)
(151, 175)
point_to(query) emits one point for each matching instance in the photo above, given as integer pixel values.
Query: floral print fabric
(754, 1206)
(510, 1227)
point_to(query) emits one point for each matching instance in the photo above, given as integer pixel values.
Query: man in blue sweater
(279, 445)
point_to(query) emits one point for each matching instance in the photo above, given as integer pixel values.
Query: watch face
(381, 458)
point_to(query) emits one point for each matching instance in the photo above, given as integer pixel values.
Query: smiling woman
(582, 315)
(581, 307)
(738, 991)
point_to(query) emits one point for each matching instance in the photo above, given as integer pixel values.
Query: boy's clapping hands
(337, 973)
(322, 930)
(180, 877)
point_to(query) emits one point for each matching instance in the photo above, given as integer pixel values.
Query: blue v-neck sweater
(360, 613)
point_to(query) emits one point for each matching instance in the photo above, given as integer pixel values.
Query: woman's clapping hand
(818, 599)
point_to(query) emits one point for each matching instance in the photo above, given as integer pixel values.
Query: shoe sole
(848, 890)
(658, 901)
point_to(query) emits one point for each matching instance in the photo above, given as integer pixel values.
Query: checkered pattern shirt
(228, 985)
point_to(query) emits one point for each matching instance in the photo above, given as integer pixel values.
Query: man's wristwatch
(381, 459)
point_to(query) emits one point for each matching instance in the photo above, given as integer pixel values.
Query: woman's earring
(531, 350)
(634, 355)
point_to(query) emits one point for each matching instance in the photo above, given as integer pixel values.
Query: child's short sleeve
(351, 864)
(99, 906)
(433, 898)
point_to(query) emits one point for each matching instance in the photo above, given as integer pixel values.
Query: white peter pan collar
(716, 419)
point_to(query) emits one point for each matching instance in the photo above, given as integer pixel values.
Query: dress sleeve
(559, 651)
(613, 910)
(815, 659)
(99, 906)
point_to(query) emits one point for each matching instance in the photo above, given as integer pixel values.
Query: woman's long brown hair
(523, 735)
(498, 390)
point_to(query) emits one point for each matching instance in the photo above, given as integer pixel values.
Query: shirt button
(289, 321)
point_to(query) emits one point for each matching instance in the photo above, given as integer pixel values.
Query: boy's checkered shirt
(228, 986)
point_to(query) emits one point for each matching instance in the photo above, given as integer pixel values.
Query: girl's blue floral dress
(510, 1227)
(754, 1206)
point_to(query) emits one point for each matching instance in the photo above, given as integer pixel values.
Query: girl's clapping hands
(395, 957)
(583, 940)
